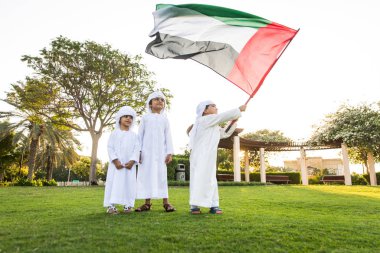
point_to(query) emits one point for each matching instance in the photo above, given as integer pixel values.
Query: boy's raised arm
(216, 119)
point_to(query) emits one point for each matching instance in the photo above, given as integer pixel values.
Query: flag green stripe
(228, 16)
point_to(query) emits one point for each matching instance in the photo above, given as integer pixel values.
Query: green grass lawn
(255, 219)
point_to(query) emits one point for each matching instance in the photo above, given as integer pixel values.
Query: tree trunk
(49, 165)
(32, 156)
(2, 172)
(94, 152)
(35, 136)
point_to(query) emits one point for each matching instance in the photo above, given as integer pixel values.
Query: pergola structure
(237, 143)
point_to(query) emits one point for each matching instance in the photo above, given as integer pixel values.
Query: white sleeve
(136, 150)
(141, 134)
(168, 139)
(224, 134)
(216, 119)
(111, 147)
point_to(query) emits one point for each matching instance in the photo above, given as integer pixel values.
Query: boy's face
(211, 109)
(126, 121)
(157, 104)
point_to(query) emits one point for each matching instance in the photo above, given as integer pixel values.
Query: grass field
(255, 219)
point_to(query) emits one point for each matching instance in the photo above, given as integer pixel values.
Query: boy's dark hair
(203, 114)
(150, 101)
(125, 116)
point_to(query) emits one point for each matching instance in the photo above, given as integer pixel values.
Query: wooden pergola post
(236, 153)
(346, 165)
(371, 169)
(263, 176)
(246, 168)
(304, 176)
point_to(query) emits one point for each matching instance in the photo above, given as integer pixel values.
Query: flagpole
(262, 80)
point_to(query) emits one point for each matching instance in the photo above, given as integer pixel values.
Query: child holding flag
(204, 139)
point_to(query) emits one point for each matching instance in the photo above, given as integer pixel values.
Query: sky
(334, 59)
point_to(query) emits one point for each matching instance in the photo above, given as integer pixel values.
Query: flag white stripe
(192, 25)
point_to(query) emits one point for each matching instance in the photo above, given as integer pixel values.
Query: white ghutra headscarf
(125, 110)
(155, 94)
(200, 109)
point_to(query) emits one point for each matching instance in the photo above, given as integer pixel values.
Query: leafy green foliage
(178, 159)
(264, 135)
(94, 81)
(82, 167)
(356, 126)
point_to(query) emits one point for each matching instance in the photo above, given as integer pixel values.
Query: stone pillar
(246, 168)
(236, 153)
(371, 169)
(304, 176)
(263, 175)
(346, 165)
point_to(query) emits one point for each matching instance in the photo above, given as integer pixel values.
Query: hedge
(294, 177)
(366, 176)
(173, 166)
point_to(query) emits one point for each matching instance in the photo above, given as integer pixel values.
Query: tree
(95, 81)
(264, 135)
(31, 101)
(224, 159)
(58, 147)
(82, 167)
(358, 127)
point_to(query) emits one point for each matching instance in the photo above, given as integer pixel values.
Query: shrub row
(221, 183)
(294, 177)
(26, 182)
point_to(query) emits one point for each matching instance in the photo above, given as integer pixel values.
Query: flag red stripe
(258, 56)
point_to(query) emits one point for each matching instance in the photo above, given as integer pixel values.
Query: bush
(49, 183)
(357, 179)
(178, 159)
(187, 183)
(6, 183)
(366, 176)
(294, 177)
(315, 179)
(26, 182)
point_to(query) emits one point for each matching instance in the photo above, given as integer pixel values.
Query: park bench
(277, 178)
(225, 177)
(332, 179)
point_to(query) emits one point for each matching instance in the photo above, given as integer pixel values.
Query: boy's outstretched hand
(242, 108)
(129, 164)
(168, 158)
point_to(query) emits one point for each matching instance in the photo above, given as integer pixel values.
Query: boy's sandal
(216, 210)
(143, 208)
(112, 210)
(169, 208)
(127, 209)
(195, 210)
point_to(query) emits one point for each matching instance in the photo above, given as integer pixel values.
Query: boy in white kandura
(204, 139)
(123, 152)
(156, 151)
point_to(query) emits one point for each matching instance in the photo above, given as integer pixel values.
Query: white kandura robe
(121, 184)
(203, 183)
(156, 143)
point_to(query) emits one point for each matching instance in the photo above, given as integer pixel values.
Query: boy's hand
(243, 108)
(168, 158)
(118, 164)
(129, 164)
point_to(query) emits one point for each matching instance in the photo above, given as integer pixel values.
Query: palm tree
(31, 102)
(57, 147)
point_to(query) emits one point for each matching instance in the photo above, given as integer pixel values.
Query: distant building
(334, 166)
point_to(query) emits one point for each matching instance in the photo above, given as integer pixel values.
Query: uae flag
(239, 46)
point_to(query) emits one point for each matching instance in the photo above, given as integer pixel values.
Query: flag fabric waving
(239, 46)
